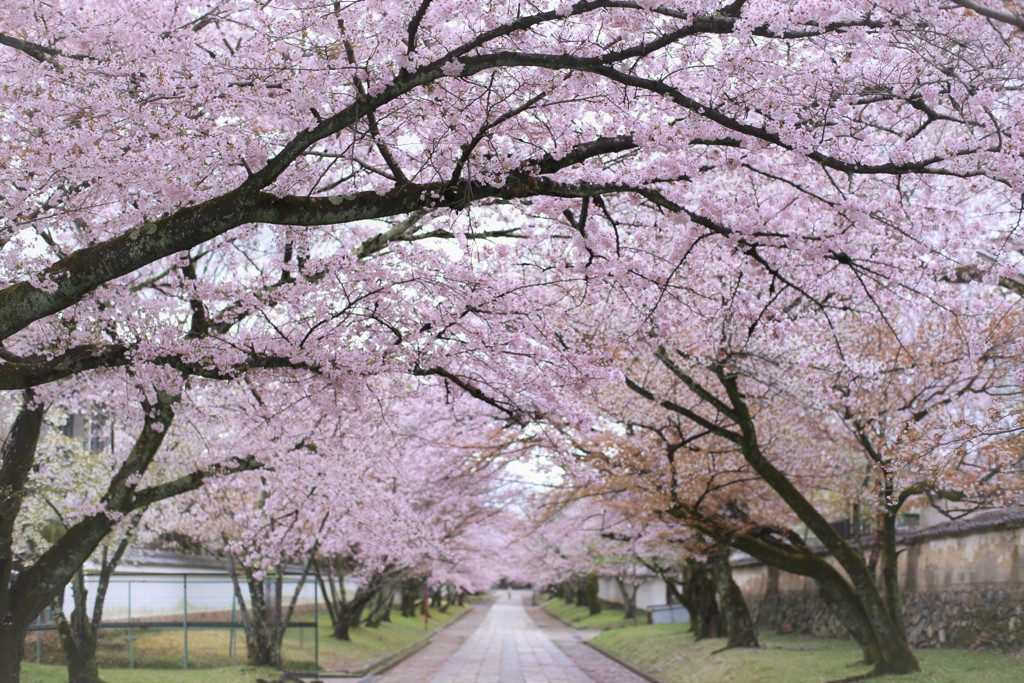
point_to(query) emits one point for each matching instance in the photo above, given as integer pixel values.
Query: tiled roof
(981, 522)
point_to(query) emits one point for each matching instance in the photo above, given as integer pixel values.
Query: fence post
(316, 626)
(302, 630)
(232, 647)
(39, 640)
(184, 619)
(131, 643)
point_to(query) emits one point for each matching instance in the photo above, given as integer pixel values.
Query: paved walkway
(508, 643)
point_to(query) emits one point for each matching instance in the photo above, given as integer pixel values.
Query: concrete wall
(981, 560)
(953, 557)
(652, 591)
(148, 597)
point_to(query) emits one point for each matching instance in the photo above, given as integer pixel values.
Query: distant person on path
(509, 589)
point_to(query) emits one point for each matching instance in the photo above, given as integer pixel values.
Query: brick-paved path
(508, 643)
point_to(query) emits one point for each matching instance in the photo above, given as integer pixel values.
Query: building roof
(977, 523)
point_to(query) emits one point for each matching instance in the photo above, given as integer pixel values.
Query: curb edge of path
(625, 665)
(388, 662)
(545, 610)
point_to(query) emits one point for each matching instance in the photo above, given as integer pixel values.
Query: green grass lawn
(369, 645)
(51, 673)
(580, 617)
(158, 652)
(671, 654)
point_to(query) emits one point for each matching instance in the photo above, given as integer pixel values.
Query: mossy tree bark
(591, 588)
(346, 614)
(380, 611)
(265, 617)
(628, 592)
(699, 596)
(732, 606)
(79, 635)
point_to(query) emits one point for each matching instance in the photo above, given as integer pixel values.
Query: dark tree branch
(191, 481)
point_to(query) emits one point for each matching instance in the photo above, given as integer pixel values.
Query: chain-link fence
(183, 622)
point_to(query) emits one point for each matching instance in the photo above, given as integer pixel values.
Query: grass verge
(671, 654)
(158, 653)
(580, 617)
(52, 673)
(369, 645)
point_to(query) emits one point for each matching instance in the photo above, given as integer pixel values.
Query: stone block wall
(972, 619)
(963, 586)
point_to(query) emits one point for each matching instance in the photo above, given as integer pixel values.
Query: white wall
(652, 591)
(161, 596)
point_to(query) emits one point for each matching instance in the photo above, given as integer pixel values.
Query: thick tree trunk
(410, 597)
(591, 590)
(389, 602)
(882, 625)
(17, 608)
(568, 592)
(857, 602)
(12, 650)
(628, 594)
(259, 642)
(406, 604)
(78, 635)
(889, 561)
(18, 456)
(259, 618)
(363, 597)
(341, 630)
(83, 668)
(381, 609)
(732, 606)
(346, 614)
(80, 653)
(849, 621)
(699, 592)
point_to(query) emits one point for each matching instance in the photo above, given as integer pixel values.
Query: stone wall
(974, 619)
(963, 586)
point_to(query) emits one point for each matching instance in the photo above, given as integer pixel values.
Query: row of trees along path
(767, 205)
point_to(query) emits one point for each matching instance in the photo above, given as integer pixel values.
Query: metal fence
(182, 622)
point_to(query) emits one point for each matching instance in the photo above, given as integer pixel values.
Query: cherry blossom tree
(222, 164)
(742, 431)
(126, 486)
(568, 549)
(69, 469)
(79, 631)
(381, 483)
